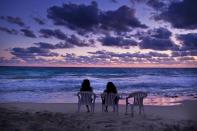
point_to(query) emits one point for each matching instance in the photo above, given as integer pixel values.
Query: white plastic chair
(138, 101)
(109, 99)
(86, 98)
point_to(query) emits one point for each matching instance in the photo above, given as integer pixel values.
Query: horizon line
(93, 66)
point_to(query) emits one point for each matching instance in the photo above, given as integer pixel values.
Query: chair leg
(126, 109)
(132, 110)
(79, 106)
(114, 108)
(143, 111)
(140, 110)
(93, 107)
(117, 108)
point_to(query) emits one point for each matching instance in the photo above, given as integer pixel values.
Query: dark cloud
(161, 33)
(156, 4)
(47, 33)
(88, 17)
(39, 20)
(43, 49)
(74, 40)
(155, 54)
(157, 39)
(188, 41)
(73, 15)
(60, 45)
(9, 31)
(31, 52)
(157, 44)
(181, 14)
(120, 20)
(28, 33)
(117, 41)
(184, 53)
(12, 60)
(45, 45)
(13, 20)
(70, 41)
(186, 59)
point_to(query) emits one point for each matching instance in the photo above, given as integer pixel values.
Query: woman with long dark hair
(85, 86)
(110, 88)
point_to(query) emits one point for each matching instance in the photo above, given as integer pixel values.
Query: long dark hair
(85, 86)
(111, 88)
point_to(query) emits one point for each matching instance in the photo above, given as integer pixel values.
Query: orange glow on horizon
(145, 65)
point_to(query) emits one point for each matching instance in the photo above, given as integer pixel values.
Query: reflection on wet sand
(160, 101)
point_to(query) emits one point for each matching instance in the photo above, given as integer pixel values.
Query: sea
(165, 86)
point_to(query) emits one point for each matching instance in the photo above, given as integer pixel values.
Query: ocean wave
(70, 79)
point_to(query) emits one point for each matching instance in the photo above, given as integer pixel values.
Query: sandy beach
(64, 116)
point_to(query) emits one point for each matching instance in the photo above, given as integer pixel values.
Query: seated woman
(85, 86)
(110, 88)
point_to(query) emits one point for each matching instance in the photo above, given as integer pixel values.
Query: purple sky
(106, 33)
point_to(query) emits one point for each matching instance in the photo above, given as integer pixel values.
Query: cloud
(107, 54)
(161, 33)
(9, 31)
(120, 20)
(48, 33)
(74, 59)
(73, 15)
(89, 17)
(60, 45)
(186, 59)
(156, 54)
(106, 57)
(39, 21)
(12, 60)
(45, 45)
(70, 41)
(188, 41)
(74, 40)
(31, 52)
(181, 14)
(42, 49)
(28, 33)
(157, 39)
(156, 4)
(157, 44)
(117, 41)
(13, 20)
(184, 53)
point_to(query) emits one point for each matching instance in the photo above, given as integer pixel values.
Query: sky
(100, 33)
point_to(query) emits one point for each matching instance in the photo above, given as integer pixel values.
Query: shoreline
(71, 97)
